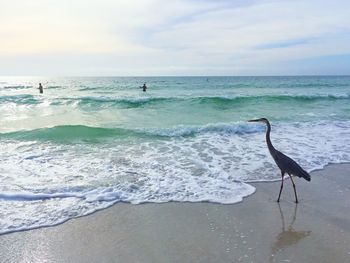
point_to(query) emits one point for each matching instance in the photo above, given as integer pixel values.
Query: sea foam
(40, 187)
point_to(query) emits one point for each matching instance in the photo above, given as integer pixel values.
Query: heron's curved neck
(268, 140)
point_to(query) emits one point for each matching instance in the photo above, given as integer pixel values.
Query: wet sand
(255, 230)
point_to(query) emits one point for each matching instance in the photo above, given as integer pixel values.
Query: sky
(174, 37)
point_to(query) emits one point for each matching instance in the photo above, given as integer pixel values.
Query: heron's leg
(295, 192)
(282, 174)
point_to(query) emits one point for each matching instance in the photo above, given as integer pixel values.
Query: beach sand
(255, 230)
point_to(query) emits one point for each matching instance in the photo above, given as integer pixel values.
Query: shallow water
(87, 143)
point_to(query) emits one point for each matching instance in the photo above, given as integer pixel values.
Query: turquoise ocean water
(87, 143)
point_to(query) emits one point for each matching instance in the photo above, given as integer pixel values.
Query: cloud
(143, 37)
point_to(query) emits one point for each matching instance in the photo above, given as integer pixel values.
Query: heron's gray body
(289, 166)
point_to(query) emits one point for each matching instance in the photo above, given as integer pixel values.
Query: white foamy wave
(28, 196)
(235, 128)
(45, 184)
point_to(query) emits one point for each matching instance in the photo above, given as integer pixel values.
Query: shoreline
(253, 183)
(258, 229)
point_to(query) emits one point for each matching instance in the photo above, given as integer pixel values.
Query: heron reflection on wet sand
(288, 236)
(285, 163)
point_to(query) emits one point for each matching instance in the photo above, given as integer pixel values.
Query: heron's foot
(278, 200)
(296, 201)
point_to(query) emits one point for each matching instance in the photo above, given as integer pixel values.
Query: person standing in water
(144, 87)
(41, 90)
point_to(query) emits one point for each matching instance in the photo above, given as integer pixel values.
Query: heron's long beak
(256, 120)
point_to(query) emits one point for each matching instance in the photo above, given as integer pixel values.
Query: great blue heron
(285, 163)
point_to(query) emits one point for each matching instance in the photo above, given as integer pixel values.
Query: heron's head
(263, 120)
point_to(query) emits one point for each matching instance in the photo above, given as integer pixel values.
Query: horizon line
(182, 76)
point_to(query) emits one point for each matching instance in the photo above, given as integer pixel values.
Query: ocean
(87, 143)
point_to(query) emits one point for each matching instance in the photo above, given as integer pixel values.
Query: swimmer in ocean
(41, 90)
(144, 87)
